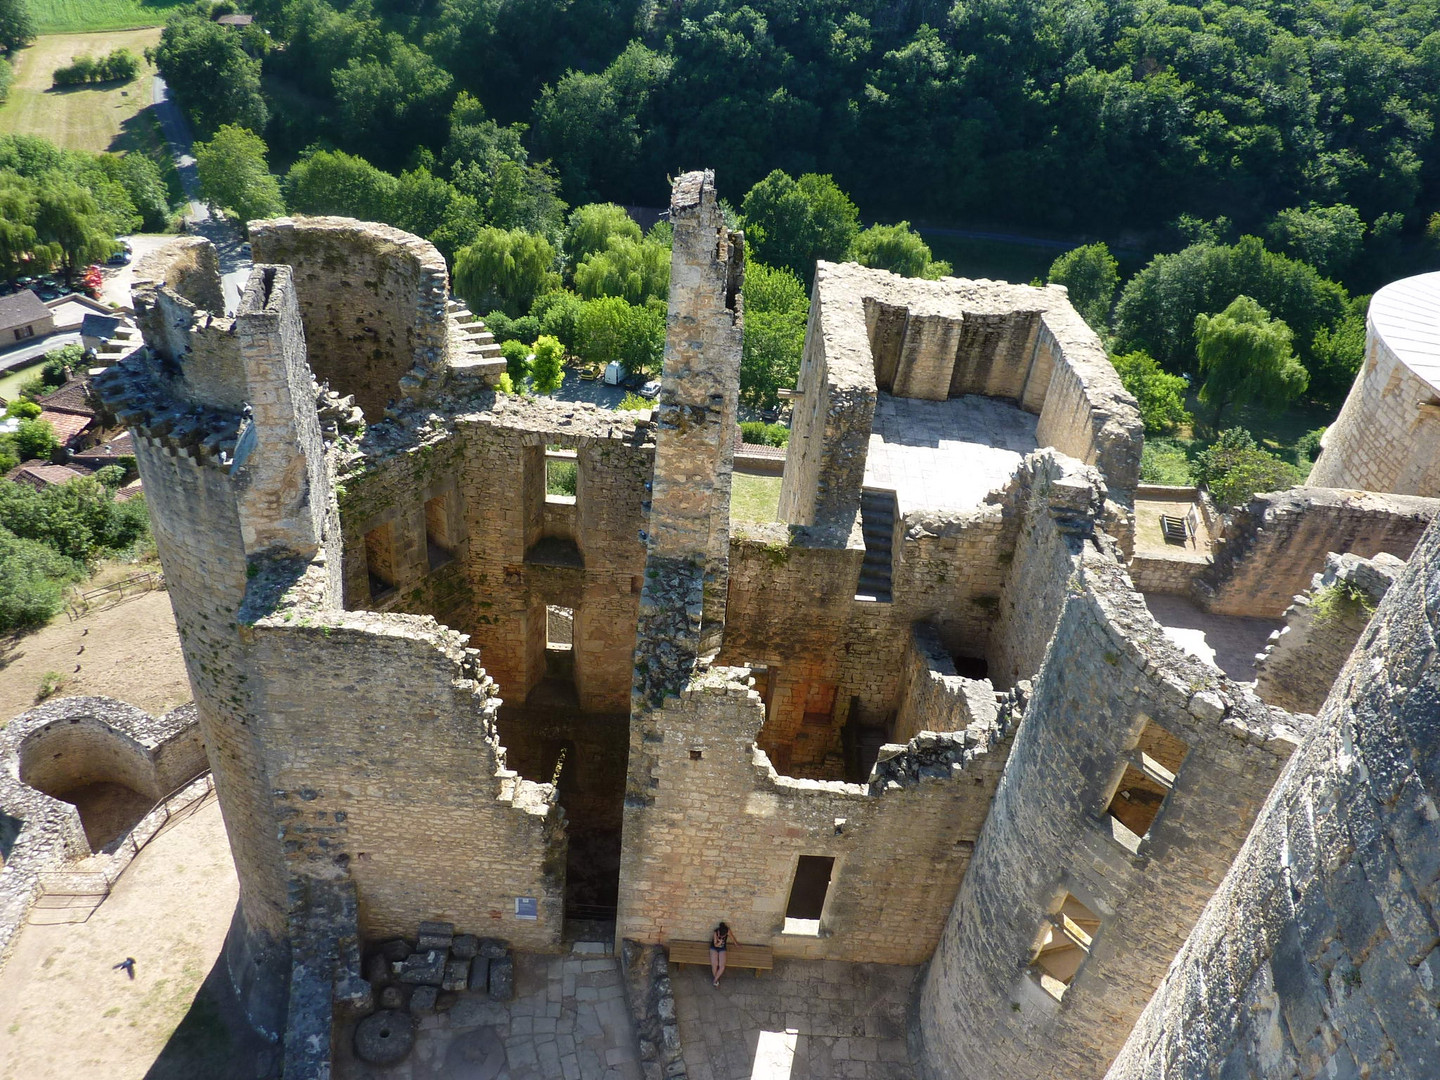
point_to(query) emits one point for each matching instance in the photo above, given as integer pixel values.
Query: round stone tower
(1387, 437)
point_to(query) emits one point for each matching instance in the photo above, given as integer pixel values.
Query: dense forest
(1066, 114)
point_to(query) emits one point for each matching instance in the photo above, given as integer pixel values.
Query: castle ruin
(923, 718)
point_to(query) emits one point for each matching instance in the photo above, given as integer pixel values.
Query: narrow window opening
(1062, 945)
(439, 532)
(380, 561)
(1144, 786)
(559, 643)
(807, 895)
(697, 755)
(562, 474)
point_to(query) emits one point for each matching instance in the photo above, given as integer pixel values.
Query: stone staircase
(877, 519)
(481, 355)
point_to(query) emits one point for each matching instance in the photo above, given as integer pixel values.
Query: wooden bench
(757, 957)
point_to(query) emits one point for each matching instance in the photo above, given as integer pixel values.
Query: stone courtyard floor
(1223, 641)
(568, 1022)
(946, 455)
(806, 1020)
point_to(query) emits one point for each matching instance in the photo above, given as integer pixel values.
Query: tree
(793, 223)
(35, 438)
(19, 207)
(770, 288)
(390, 102)
(1245, 357)
(1157, 307)
(770, 355)
(334, 182)
(899, 249)
(558, 313)
(505, 269)
(517, 360)
(638, 270)
(234, 177)
(1160, 395)
(547, 370)
(1091, 275)
(1326, 237)
(591, 227)
(17, 27)
(68, 217)
(1235, 469)
(210, 73)
(611, 328)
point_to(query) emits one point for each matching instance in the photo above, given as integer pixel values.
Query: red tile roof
(67, 425)
(41, 474)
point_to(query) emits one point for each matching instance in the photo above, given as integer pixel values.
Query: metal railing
(80, 603)
(71, 896)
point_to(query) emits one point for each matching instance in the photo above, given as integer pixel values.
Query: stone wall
(1317, 955)
(1304, 657)
(1275, 546)
(373, 299)
(379, 731)
(718, 832)
(1169, 574)
(1387, 433)
(1111, 687)
(932, 696)
(871, 331)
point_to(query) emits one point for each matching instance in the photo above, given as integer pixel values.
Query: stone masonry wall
(488, 469)
(933, 697)
(1279, 542)
(1386, 435)
(1169, 575)
(379, 731)
(1108, 672)
(718, 833)
(1317, 955)
(373, 299)
(1304, 657)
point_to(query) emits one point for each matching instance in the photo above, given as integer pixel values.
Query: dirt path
(130, 651)
(66, 1014)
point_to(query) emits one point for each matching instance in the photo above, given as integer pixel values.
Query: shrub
(1307, 448)
(1160, 395)
(517, 360)
(1235, 469)
(122, 65)
(633, 402)
(547, 370)
(25, 410)
(51, 683)
(35, 439)
(32, 580)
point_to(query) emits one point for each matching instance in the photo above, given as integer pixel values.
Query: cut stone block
(465, 947)
(502, 979)
(457, 975)
(436, 935)
(426, 968)
(423, 1000)
(479, 974)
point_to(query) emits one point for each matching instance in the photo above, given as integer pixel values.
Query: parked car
(651, 389)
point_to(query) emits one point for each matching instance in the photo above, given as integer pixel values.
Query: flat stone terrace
(568, 1021)
(946, 455)
(1227, 642)
(806, 1020)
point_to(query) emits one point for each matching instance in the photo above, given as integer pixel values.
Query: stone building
(924, 716)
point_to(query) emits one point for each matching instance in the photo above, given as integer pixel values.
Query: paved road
(234, 253)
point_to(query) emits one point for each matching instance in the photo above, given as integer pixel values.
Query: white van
(614, 373)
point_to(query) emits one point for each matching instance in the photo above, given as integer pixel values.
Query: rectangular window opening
(439, 531)
(1144, 786)
(807, 895)
(380, 560)
(1064, 941)
(559, 628)
(562, 474)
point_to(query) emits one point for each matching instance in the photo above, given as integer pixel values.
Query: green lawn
(80, 16)
(754, 498)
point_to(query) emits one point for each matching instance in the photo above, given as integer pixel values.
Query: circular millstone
(384, 1038)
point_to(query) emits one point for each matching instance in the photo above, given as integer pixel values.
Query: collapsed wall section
(713, 832)
(1303, 658)
(379, 736)
(374, 303)
(1279, 542)
(1317, 955)
(1133, 779)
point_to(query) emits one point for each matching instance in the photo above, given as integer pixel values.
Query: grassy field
(754, 498)
(105, 117)
(78, 16)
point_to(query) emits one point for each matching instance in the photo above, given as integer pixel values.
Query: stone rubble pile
(411, 982)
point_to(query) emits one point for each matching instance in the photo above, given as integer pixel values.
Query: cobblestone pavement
(568, 1022)
(946, 455)
(806, 1020)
